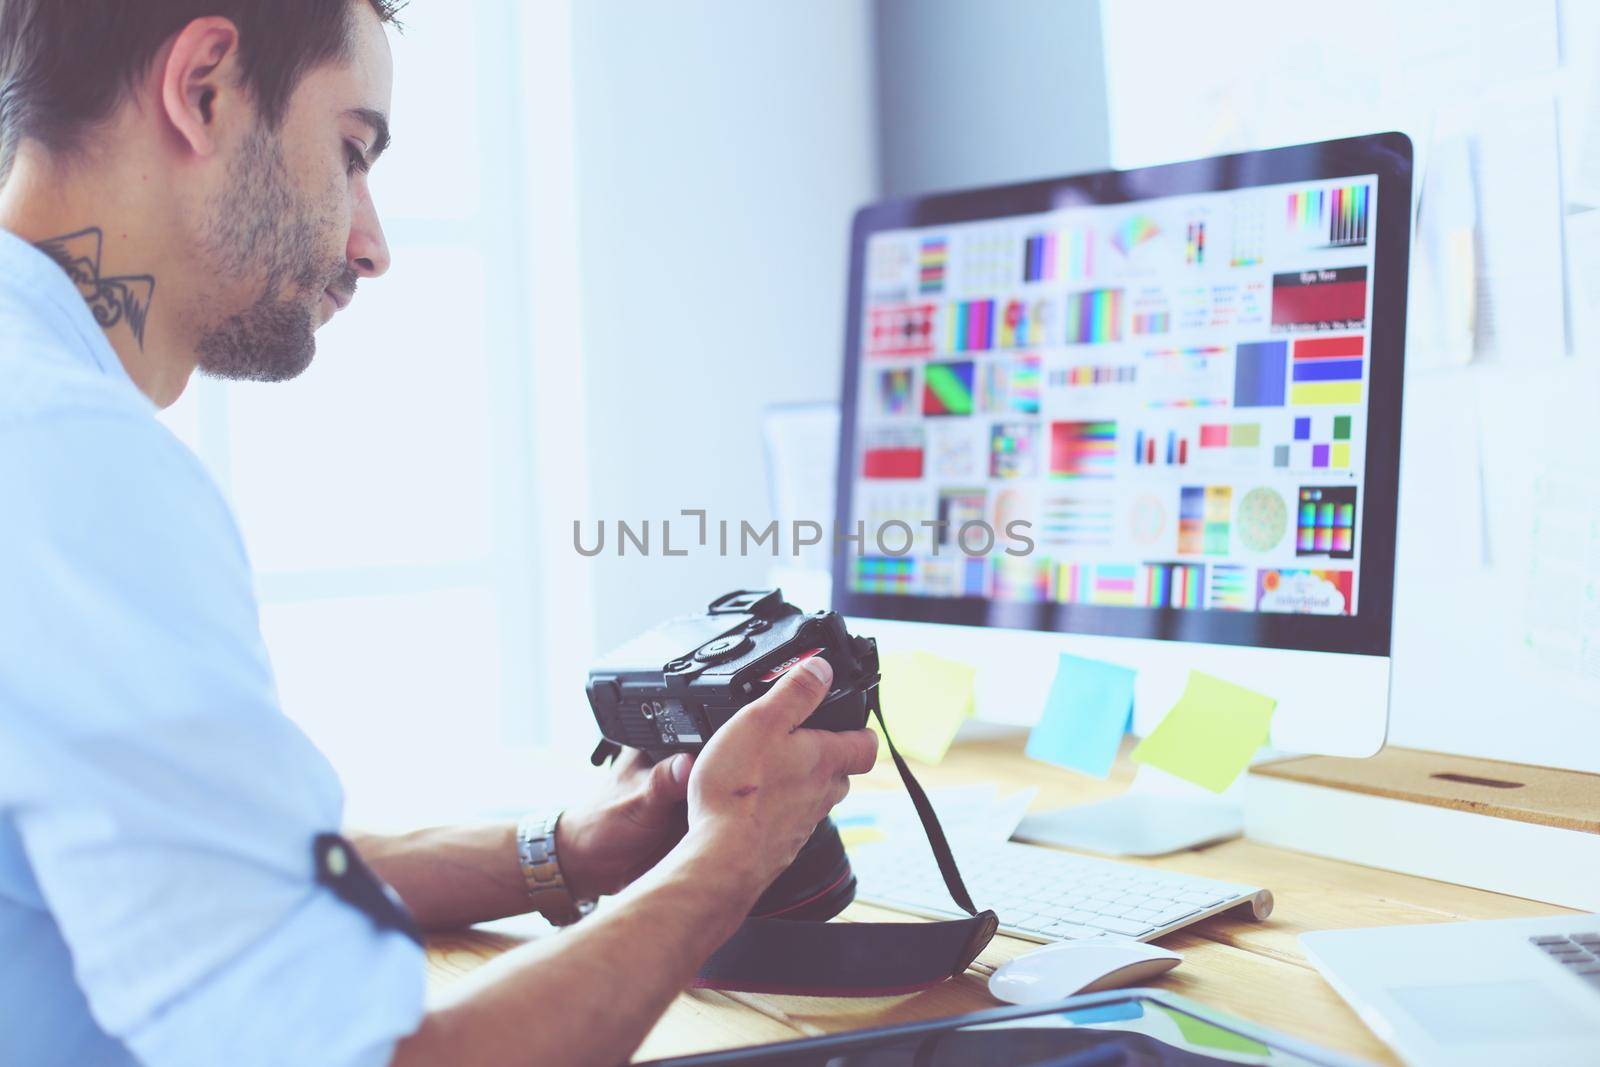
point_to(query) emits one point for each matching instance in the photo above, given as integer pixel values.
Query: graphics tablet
(1124, 1028)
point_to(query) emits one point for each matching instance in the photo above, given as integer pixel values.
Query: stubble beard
(262, 229)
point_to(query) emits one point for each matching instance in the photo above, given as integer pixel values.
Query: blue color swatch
(1259, 373)
(1089, 709)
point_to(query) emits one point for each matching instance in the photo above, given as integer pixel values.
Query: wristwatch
(541, 870)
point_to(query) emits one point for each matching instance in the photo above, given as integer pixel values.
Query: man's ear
(199, 83)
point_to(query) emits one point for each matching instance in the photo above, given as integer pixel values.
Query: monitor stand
(1154, 817)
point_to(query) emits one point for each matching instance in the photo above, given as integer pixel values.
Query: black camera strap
(854, 958)
(930, 819)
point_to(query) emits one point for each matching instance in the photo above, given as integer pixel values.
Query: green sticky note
(1211, 732)
(924, 699)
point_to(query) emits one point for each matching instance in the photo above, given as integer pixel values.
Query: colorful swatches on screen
(1230, 435)
(1076, 521)
(969, 326)
(1315, 300)
(1328, 370)
(1312, 441)
(901, 331)
(893, 453)
(1083, 449)
(1013, 450)
(884, 574)
(1305, 592)
(1009, 386)
(1204, 519)
(1039, 258)
(1114, 584)
(1174, 585)
(933, 259)
(894, 513)
(1232, 588)
(1160, 450)
(1327, 522)
(896, 391)
(947, 388)
(1021, 578)
(1093, 374)
(1196, 376)
(1077, 252)
(1194, 244)
(1134, 232)
(953, 576)
(957, 508)
(1150, 322)
(1094, 316)
(1262, 519)
(1025, 323)
(1259, 374)
(1337, 217)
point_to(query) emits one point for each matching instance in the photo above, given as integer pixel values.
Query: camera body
(673, 687)
(670, 689)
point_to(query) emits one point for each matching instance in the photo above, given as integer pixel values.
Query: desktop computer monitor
(1149, 416)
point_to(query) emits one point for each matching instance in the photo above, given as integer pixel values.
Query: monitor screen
(1151, 403)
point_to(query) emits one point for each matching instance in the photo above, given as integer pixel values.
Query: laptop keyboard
(1579, 953)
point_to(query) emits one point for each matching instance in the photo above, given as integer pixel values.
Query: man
(185, 186)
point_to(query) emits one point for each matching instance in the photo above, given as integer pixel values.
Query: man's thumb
(800, 690)
(669, 780)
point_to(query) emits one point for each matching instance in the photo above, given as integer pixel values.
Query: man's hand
(605, 844)
(756, 792)
(762, 783)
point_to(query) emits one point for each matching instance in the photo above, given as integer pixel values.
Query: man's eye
(355, 160)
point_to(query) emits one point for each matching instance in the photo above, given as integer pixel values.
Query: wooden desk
(1253, 970)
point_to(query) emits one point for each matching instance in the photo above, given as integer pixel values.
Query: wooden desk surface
(1254, 970)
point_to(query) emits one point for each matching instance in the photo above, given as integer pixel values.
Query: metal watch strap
(541, 870)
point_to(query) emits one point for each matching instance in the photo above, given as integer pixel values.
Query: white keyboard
(1042, 894)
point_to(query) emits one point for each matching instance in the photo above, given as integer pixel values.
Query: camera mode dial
(723, 648)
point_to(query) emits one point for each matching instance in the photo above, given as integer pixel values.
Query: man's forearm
(451, 876)
(589, 994)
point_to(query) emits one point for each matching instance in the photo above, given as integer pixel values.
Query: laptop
(1498, 992)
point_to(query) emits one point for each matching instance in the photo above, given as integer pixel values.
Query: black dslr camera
(670, 689)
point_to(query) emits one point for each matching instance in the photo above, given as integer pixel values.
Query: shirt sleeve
(166, 805)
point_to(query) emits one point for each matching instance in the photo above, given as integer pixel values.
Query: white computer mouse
(1069, 967)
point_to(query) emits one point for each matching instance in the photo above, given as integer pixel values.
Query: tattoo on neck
(126, 296)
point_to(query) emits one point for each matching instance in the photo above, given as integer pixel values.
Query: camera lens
(817, 886)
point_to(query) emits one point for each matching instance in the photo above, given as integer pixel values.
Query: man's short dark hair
(65, 64)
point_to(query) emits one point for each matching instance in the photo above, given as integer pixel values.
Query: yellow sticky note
(924, 699)
(1211, 732)
(853, 836)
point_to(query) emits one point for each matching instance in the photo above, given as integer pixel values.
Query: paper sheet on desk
(968, 813)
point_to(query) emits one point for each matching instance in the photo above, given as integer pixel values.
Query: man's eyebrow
(380, 129)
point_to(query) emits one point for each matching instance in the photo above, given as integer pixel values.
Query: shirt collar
(42, 288)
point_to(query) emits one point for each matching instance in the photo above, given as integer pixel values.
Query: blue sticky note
(1089, 710)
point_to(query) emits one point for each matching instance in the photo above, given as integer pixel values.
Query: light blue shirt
(157, 809)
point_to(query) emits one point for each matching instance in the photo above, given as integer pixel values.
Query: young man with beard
(185, 187)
